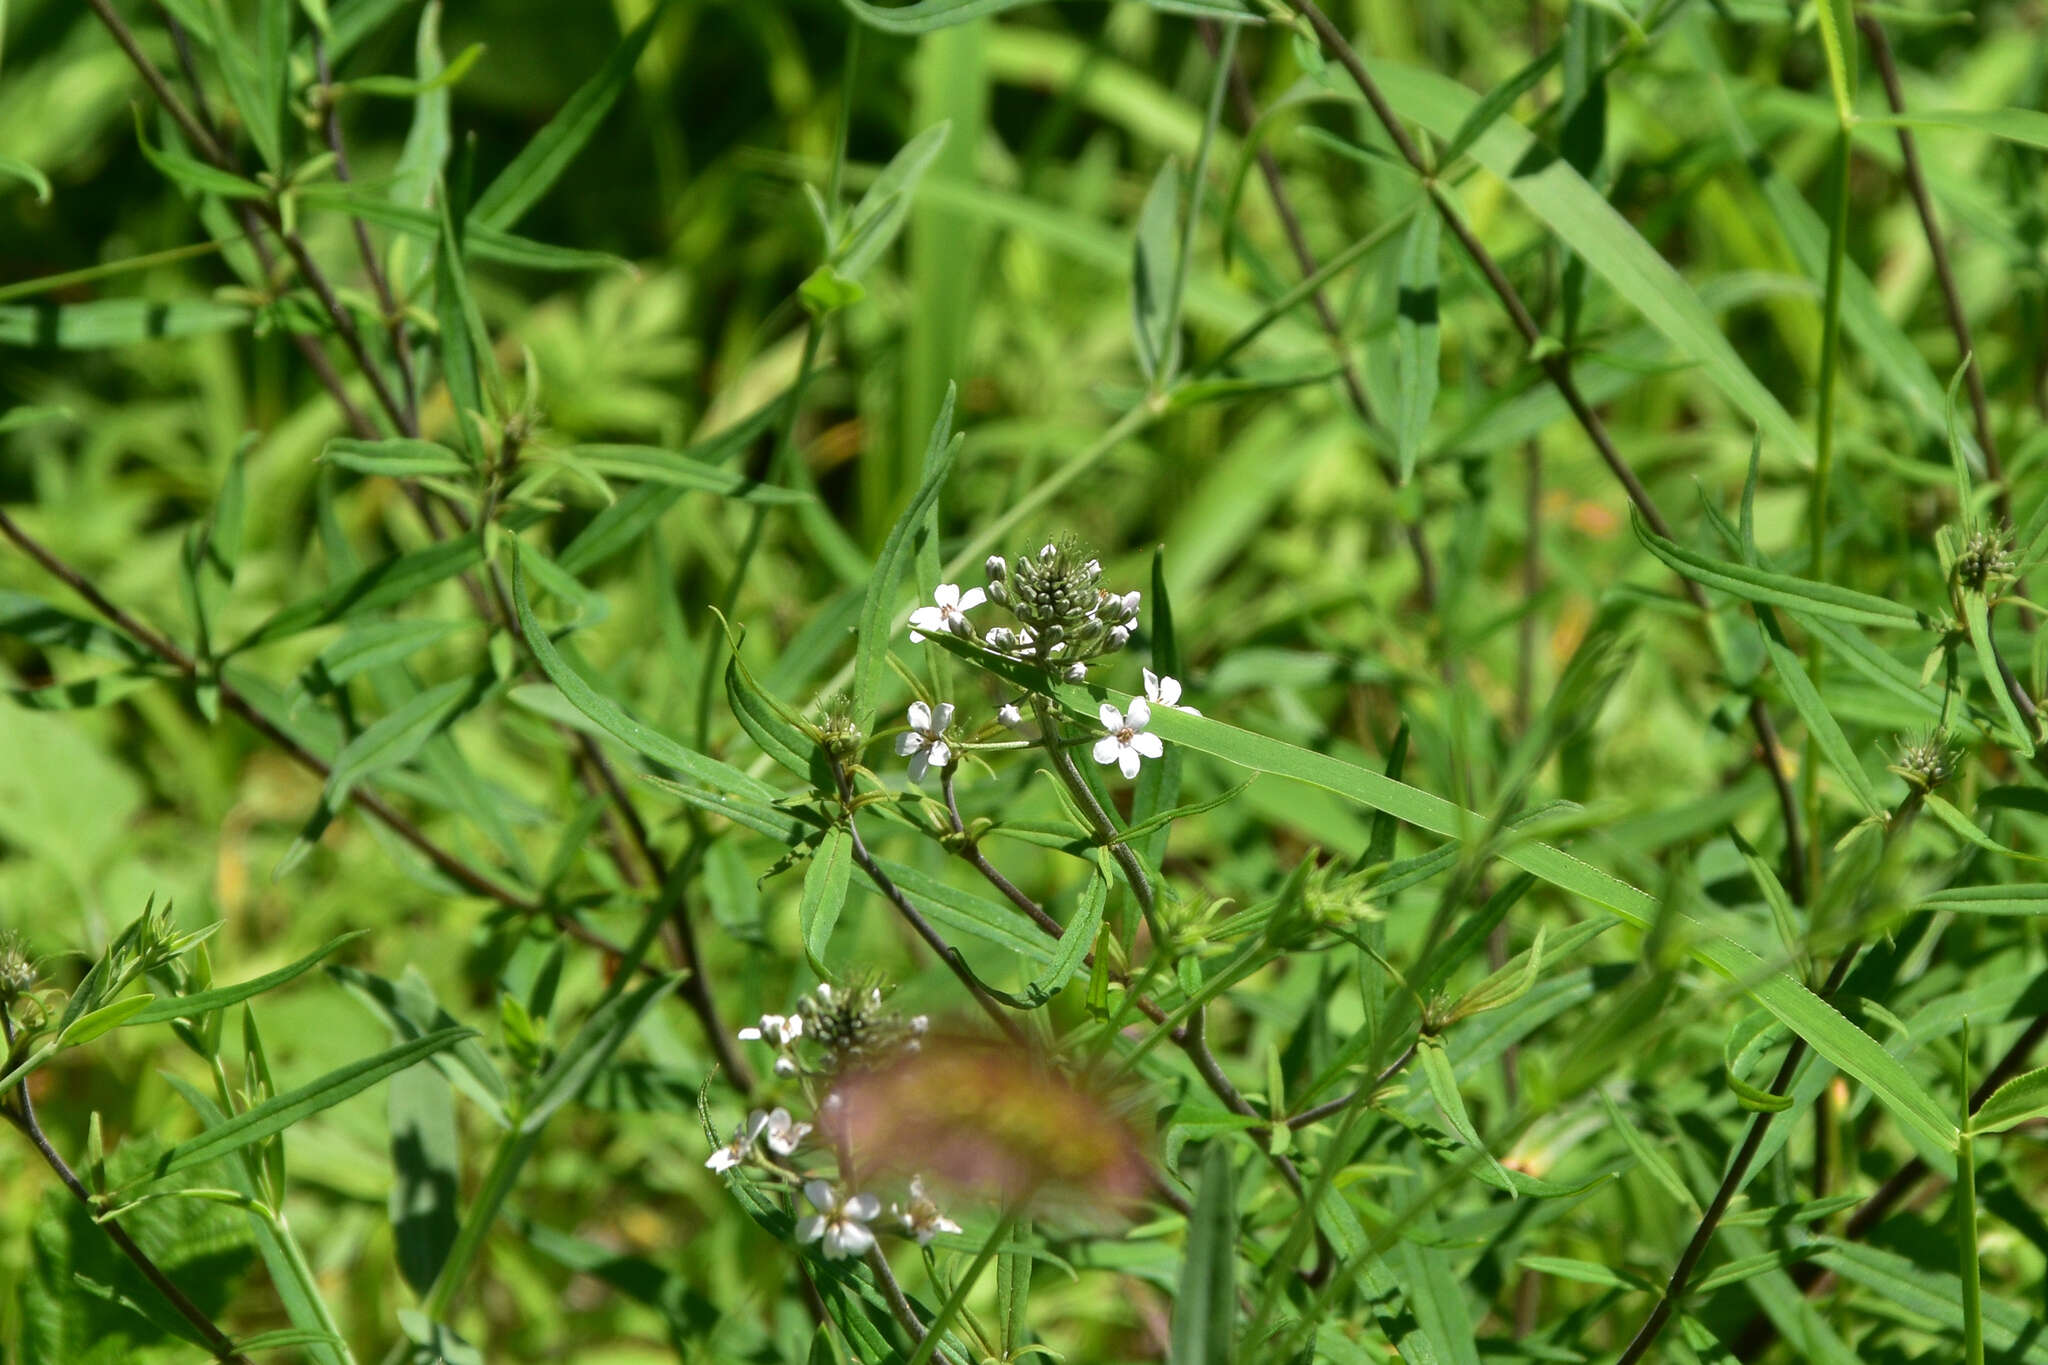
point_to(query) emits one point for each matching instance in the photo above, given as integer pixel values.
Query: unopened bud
(1077, 672)
(997, 568)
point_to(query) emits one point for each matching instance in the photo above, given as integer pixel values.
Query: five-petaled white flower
(924, 743)
(1165, 692)
(843, 1223)
(1124, 740)
(784, 1133)
(742, 1143)
(948, 612)
(921, 1217)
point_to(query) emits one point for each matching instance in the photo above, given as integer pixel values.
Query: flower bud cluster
(1062, 609)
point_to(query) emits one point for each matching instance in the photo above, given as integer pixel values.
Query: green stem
(951, 1308)
(1105, 828)
(1966, 1220)
(302, 1271)
(513, 1150)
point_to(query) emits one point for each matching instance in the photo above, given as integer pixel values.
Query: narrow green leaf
(1443, 1088)
(246, 85)
(275, 1115)
(1204, 1330)
(652, 464)
(205, 1002)
(424, 159)
(613, 719)
(533, 172)
(922, 16)
(879, 216)
(105, 323)
(2022, 1098)
(385, 584)
(1153, 250)
(104, 1020)
(1761, 585)
(1075, 940)
(2027, 898)
(395, 738)
(400, 457)
(2028, 127)
(1838, 42)
(825, 885)
(15, 168)
(602, 1034)
(878, 611)
(1418, 338)
(1820, 722)
(1978, 612)
(479, 242)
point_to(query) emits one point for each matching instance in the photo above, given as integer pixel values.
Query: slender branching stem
(1731, 1183)
(1326, 315)
(387, 299)
(22, 1114)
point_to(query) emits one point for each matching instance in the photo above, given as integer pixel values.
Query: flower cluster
(834, 1032)
(1065, 619)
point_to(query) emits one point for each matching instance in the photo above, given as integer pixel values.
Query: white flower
(1124, 740)
(924, 743)
(742, 1144)
(779, 1030)
(1009, 715)
(948, 613)
(784, 1133)
(921, 1218)
(843, 1223)
(1165, 692)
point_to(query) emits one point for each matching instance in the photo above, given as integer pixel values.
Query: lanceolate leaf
(205, 1002)
(276, 1115)
(879, 216)
(1417, 338)
(1205, 1309)
(1820, 723)
(825, 885)
(613, 719)
(1761, 585)
(922, 16)
(541, 162)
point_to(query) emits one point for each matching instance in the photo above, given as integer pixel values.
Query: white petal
(942, 717)
(1189, 710)
(1140, 714)
(944, 1224)
(1129, 761)
(819, 1192)
(810, 1228)
(928, 618)
(941, 752)
(750, 1035)
(756, 1122)
(722, 1160)
(1169, 691)
(1151, 683)
(1112, 719)
(920, 714)
(848, 1240)
(947, 595)
(915, 638)
(920, 761)
(1107, 748)
(865, 1207)
(792, 1028)
(1147, 744)
(972, 598)
(908, 743)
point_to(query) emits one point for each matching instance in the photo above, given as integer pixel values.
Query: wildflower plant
(757, 767)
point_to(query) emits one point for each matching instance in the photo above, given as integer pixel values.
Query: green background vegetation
(1710, 128)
